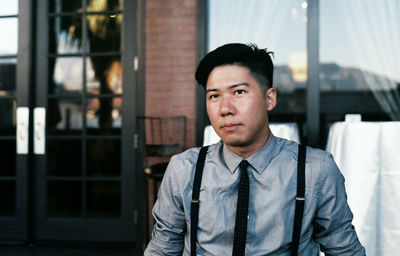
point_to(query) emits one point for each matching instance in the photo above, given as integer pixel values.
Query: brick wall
(171, 60)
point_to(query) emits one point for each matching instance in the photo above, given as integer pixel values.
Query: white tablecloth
(368, 155)
(288, 131)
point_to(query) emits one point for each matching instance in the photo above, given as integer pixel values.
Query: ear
(271, 97)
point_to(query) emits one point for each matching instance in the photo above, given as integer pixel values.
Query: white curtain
(373, 32)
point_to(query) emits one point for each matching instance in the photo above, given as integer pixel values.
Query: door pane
(64, 198)
(65, 34)
(103, 199)
(66, 75)
(104, 75)
(9, 7)
(104, 32)
(65, 6)
(8, 117)
(105, 5)
(7, 76)
(104, 116)
(103, 157)
(7, 158)
(65, 117)
(7, 197)
(64, 157)
(9, 32)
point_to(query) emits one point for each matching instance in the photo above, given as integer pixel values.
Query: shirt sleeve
(332, 228)
(170, 227)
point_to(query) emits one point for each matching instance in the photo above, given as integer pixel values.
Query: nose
(226, 106)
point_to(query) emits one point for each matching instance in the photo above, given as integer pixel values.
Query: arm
(170, 227)
(332, 225)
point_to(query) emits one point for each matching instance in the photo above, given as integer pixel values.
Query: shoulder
(183, 164)
(317, 160)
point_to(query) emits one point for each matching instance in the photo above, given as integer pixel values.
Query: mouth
(230, 127)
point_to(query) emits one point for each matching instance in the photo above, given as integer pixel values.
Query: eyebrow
(230, 87)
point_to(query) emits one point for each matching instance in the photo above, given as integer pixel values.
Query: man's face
(238, 108)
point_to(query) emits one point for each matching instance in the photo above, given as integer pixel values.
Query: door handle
(22, 130)
(39, 128)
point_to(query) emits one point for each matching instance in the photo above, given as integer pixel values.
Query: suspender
(194, 208)
(300, 197)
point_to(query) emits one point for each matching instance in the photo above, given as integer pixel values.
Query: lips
(230, 127)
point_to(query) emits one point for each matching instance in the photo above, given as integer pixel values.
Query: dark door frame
(127, 228)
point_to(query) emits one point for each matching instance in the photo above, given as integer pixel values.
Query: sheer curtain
(372, 28)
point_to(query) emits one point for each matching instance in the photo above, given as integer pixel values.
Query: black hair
(258, 61)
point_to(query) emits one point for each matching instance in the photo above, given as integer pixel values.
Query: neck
(249, 150)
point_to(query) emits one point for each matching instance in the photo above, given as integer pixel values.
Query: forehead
(227, 75)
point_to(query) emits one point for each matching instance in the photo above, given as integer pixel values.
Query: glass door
(85, 160)
(13, 95)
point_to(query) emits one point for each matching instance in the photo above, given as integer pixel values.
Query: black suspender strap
(300, 197)
(194, 208)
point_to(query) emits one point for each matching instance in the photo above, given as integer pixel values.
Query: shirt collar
(259, 161)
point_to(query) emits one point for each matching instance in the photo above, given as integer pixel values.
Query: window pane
(65, 117)
(8, 7)
(65, 5)
(104, 33)
(279, 26)
(9, 30)
(104, 5)
(104, 116)
(65, 33)
(360, 59)
(7, 77)
(64, 157)
(103, 199)
(7, 157)
(104, 75)
(64, 198)
(7, 198)
(8, 117)
(103, 157)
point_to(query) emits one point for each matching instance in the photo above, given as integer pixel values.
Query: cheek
(211, 111)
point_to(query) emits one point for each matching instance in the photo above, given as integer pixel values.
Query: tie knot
(243, 165)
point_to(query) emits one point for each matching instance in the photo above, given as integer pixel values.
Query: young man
(238, 83)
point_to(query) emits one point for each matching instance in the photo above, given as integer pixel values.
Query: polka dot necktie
(239, 240)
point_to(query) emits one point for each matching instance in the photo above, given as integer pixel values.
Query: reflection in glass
(103, 199)
(7, 157)
(65, 33)
(104, 5)
(64, 117)
(66, 75)
(7, 198)
(104, 32)
(7, 117)
(360, 56)
(103, 120)
(103, 157)
(64, 198)
(9, 31)
(64, 157)
(7, 76)
(65, 6)
(104, 75)
(279, 26)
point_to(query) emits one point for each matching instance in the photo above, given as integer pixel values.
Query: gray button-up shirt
(273, 178)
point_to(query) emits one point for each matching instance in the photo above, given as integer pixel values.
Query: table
(368, 155)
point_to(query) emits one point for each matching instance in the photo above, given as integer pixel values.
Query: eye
(213, 96)
(239, 92)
